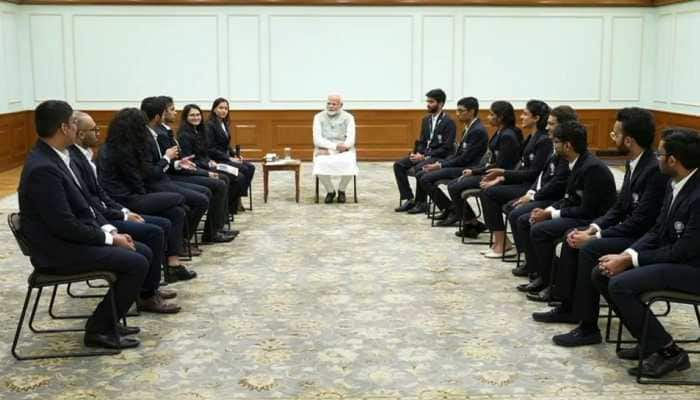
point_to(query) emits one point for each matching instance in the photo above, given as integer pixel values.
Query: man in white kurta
(334, 153)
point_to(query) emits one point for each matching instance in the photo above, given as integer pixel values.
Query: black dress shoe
(468, 231)
(656, 365)
(631, 353)
(536, 285)
(341, 197)
(443, 215)
(578, 337)
(556, 314)
(419, 208)
(520, 271)
(233, 232)
(405, 206)
(218, 238)
(329, 197)
(127, 330)
(179, 273)
(450, 220)
(542, 296)
(108, 341)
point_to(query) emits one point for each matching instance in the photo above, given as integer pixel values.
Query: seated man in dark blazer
(67, 236)
(633, 214)
(123, 166)
(470, 151)
(436, 143)
(665, 258)
(217, 213)
(590, 192)
(147, 229)
(548, 188)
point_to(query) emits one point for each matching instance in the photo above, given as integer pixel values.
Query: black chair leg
(20, 324)
(250, 196)
(354, 187)
(317, 195)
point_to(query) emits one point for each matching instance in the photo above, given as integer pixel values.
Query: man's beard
(623, 150)
(332, 113)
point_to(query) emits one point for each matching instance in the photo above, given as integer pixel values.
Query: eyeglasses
(614, 135)
(659, 154)
(96, 130)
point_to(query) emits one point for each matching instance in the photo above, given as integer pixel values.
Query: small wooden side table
(282, 165)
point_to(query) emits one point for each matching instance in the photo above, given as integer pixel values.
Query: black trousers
(170, 206)
(519, 219)
(217, 212)
(623, 290)
(544, 236)
(130, 268)
(196, 199)
(461, 208)
(235, 189)
(427, 186)
(574, 284)
(152, 233)
(494, 199)
(246, 171)
(401, 168)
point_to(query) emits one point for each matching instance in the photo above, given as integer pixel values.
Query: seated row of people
(130, 212)
(556, 193)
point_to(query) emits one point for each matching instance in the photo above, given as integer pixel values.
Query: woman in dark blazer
(503, 152)
(500, 185)
(194, 141)
(219, 135)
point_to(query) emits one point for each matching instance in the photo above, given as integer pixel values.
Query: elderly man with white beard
(334, 142)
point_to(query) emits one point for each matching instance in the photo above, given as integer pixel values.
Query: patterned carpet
(329, 302)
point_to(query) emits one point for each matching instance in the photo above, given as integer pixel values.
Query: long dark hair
(506, 114)
(198, 132)
(539, 108)
(213, 116)
(128, 138)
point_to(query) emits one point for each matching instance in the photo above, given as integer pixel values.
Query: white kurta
(329, 132)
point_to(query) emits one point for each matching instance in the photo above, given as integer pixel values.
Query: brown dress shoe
(155, 304)
(167, 294)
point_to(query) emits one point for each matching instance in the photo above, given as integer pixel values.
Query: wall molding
(515, 3)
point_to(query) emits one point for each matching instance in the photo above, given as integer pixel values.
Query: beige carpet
(329, 302)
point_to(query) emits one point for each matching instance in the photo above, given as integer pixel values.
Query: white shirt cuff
(125, 211)
(177, 165)
(634, 255)
(555, 213)
(109, 239)
(530, 194)
(108, 228)
(598, 231)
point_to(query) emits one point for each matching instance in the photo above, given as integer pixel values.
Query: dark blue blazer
(121, 179)
(639, 202)
(219, 141)
(166, 140)
(99, 199)
(443, 141)
(536, 151)
(56, 216)
(555, 173)
(505, 148)
(675, 238)
(590, 189)
(471, 148)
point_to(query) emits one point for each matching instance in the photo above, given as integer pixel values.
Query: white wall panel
(48, 60)
(438, 54)
(11, 59)
(626, 58)
(664, 52)
(244, 58)
(517, 57)
(686, 56)
(367, 58)
(123, 58)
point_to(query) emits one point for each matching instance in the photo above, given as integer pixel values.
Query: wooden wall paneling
(13, 143)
